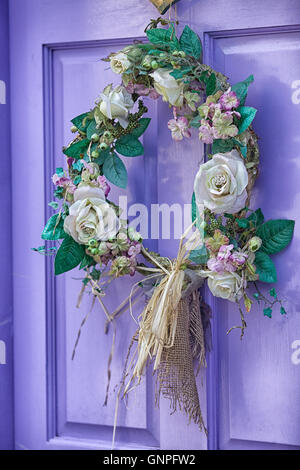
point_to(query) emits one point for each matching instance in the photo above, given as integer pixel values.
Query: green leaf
(115, 170)
(163, 37)
(49, 233)
(222, 146)
(257, 217)
(69, 255)
(268, 312)
(195, 212)
(241, 89)
(102, 157)
(242, 223)
(92, 129)
(143, 124)
(86, 262)
(180, 73)
(60, 172)
(78, 149)
(53, 204)
(273, 293)
(199, 256)
(211, 84)
(247, 116)
(265, 267)
(77, 165)
(282, 311)
(190, 43)
(276, 235)
(129, 146)
(81, 121)
(196, 121)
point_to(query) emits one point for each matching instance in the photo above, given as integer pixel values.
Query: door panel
(56, 75)
(6, 311)
(258, 380)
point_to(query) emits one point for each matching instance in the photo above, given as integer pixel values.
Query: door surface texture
(249, 391)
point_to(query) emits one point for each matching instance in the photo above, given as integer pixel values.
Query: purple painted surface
(251, 386)
(6, 311)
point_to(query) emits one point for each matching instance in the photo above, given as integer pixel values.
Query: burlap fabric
(175, 375)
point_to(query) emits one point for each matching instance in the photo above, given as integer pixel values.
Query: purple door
(6, 356)
(249, 393)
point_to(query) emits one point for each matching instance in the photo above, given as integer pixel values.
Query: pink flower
(142, 90)
(224, 252)
(101, 180)
(179, 128)
(64, 182)
(215, 265)
(134, 250)
(229, 100)
(238, 257)
(206, 132)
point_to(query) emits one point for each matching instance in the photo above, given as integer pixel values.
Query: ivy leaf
(265, 267)
(257, 217)
(143, 124)
(199, 256)
(268, 312)
(78, 149)
(115, 171)
(273, 293)
(49, 233)
(282, 311)
(190, 43)
(211, 84)
(129, 146)
(60, 172)
(69, 255)
(247, 116)
(276, 235)
(81, 121)
(241, 89)
(196, 121)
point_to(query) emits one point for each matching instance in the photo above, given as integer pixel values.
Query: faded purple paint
(6, 311)
(59, 403)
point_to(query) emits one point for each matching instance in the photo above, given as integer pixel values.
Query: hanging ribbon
(163, 5)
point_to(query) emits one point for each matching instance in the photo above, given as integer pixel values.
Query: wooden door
(56, 74)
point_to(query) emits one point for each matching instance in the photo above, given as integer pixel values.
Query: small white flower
(91, 216)
(119, 63)
(116, 104)
(220, 184)
(166, 85)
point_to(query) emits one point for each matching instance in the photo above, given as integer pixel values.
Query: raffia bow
(158, 324)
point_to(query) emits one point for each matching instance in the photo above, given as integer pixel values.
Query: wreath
(229, 244)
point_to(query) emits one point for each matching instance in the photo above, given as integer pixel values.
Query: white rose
(91, 216)
(166, 85)
(220, 183)
(119, 62)
(228, 285)
(116, 104)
